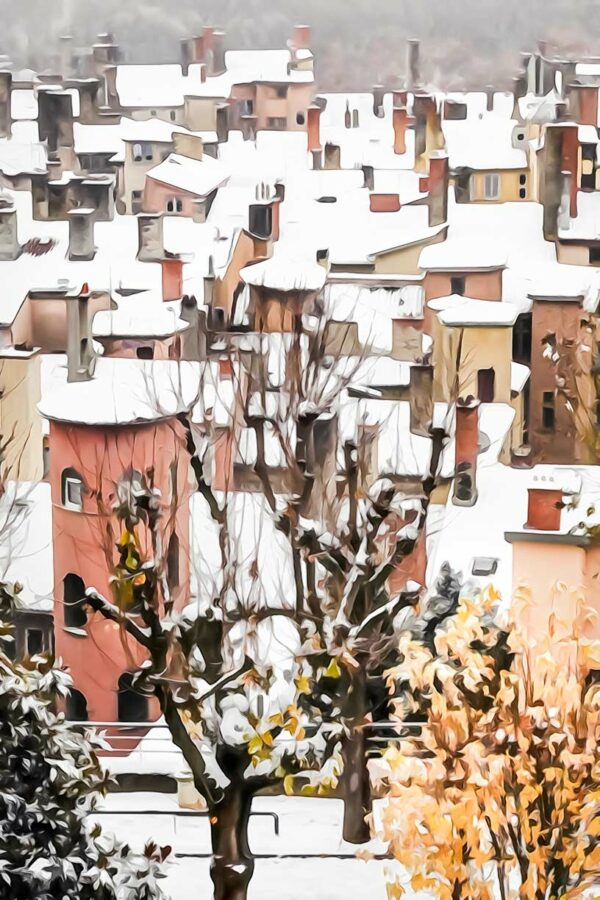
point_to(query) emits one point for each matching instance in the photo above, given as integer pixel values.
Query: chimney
(200, 209)
(150, 237)
(260, 220)
(209, 284)
(301, 37)
(88, 100)
(489, 97)
(544, 501)
(332, 158)
(421, 399)
(437, 198)
(55, 118)
(399, 120)
(172, 277)
(217, 51)
(313, 127)
(81, 234)
(317, 160)
(322, 258)
(80, 351)
(378, 91)
(466, 449)
(384, 203)
(347, 116)
(222, 122)
(39, 196)
(355, 118)
(66, 55)
(368, 177)
(194, 339)
(583, 103)
(413, 68)
(5, 103)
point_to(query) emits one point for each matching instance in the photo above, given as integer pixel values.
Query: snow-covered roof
(455, 254)
(281, 273)
(483, 143)
(458, 311)
(123, 391)
(373, 309)
(196, 176)
(141, 315)
(149, 85)
(585, 226)
(23, 104)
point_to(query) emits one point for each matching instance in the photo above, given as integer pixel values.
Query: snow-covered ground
(306, 826)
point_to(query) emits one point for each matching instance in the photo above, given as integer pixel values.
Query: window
(595, 255)
(276, 121)
(491, 187)
(174, 205)
(173, 115)
(76, 706)
(34, 640)
(484, 565)
(281, 90)
(72, 490)
(523, 180)
(522, 193)
(548, 411)
(142, 152)
(145, 352)
(486, 379)
(152, 112)
(136, 202)
(300, 118)
(246, 107)
(132, 706)
(73, 600)
(173, 562)
(457, 285)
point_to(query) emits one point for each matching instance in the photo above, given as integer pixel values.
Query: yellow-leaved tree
(499, 794)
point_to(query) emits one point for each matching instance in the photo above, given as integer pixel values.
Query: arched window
(72, 489)
(174, 205)
(132, 706)
(137, 152)
(74, 598)
(173, 115)
(173, 562)
(76, 706)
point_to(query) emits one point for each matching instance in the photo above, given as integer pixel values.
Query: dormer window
(72, 490)
(174, 205)
(142, 151)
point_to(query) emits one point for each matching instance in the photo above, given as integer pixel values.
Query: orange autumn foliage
(499, 795)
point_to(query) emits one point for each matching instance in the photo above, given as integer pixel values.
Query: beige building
(21, 439)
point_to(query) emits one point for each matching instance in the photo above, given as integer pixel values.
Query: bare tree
(270, 677)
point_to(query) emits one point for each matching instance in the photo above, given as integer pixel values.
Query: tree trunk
(356, 789)
(232, 863)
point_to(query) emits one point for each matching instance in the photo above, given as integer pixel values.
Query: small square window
(35, 641)
(548, 412)
(484, 565)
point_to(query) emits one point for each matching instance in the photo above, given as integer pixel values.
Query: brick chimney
(301, 37)
(150, 237)
(313, 127)
(5, 103)
(413, 65)
(216, 56)
(559, 155)
(9, 239)
(466, 449)
(172, 277)
(80, 352)
(81, 234)
(583, 103)
(543, 505)
(399, 121)
(437, 198)
(383, 203)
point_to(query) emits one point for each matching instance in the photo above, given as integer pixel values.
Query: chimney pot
(81, 234)
(543, 507)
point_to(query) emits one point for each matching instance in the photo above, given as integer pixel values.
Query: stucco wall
(20, 422)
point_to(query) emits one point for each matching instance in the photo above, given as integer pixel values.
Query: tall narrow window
(486, 379)
(132, 706)
(457, 285)
(74, 598)
(76, 706)
(72, 489)
(491, 187)
(548, 411)
(173, 562)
